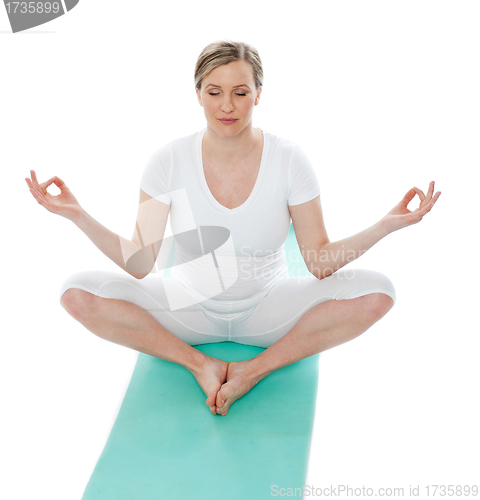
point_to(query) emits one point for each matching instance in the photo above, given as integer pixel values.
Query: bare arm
(136, 256)
(115, 247)
(323, 257)
(336, 254)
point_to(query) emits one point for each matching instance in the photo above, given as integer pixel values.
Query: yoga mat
(165, 443)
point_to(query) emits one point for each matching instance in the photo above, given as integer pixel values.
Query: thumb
(408, 197)
(60, 184)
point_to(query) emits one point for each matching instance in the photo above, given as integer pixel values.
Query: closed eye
(213, 93)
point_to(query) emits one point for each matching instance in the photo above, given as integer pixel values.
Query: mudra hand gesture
(400, 217)
(64, 204)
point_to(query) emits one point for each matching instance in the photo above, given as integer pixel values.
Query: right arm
(136, 256)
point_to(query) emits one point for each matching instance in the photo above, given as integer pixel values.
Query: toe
(211, 398)
(220, 399)
(223, 405)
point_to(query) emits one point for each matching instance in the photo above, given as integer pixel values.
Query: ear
(257, 99)
(199, 97)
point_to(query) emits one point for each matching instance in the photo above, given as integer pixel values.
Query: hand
(64, 204)
(400, 217)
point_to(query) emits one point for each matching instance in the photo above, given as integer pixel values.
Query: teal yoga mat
(165, 443)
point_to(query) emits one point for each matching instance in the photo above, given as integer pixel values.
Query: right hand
(64, 204)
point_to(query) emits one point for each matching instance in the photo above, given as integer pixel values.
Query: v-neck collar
(255, 189)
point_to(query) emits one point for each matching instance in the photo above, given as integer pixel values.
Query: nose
(227, 104)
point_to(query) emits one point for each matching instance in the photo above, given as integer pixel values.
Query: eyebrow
(218, 86)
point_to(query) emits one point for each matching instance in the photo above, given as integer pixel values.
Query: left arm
(324, 257)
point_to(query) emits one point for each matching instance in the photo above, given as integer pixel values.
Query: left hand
(400, 217)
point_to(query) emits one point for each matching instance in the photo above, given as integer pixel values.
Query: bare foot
(210, 378)
(239, 382)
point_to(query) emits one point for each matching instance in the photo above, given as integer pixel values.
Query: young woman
(245, 185)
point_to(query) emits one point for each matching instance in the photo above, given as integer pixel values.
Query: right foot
(239, 381)
(210, 377)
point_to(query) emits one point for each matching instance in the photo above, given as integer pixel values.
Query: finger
(435, 198)
(41, 188)
(419, 213)
(430, 191)
(432, 202)
(408, 197)
(45, 184)
(34, 178)
(420, 193)
(33, 187)
(422, 211)
(40, 199)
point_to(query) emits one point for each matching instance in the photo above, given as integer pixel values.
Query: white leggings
(259, 326)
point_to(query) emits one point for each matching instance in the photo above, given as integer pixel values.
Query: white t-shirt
(258, 228)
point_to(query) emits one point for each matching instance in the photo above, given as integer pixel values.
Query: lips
(228, 121)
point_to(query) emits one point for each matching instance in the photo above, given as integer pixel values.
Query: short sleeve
(303, 183)
(155, 180)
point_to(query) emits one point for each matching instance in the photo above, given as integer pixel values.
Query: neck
(226, 150)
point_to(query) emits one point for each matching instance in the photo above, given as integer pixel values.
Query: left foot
(239, 382)
(210, 378)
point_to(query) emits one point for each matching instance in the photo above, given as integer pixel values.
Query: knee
(78, 303)
(378, 305)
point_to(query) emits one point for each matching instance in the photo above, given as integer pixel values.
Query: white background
(381, 95)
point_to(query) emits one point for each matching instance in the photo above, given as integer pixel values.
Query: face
(228, 92)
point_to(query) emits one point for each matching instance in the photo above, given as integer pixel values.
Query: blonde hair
(224, 52)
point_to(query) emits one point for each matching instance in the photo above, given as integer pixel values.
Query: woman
(229, 176)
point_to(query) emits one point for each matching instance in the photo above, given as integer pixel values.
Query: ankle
(257, 369)
(197, 361)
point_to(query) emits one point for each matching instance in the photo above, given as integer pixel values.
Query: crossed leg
(322, 327)
(132, 326)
